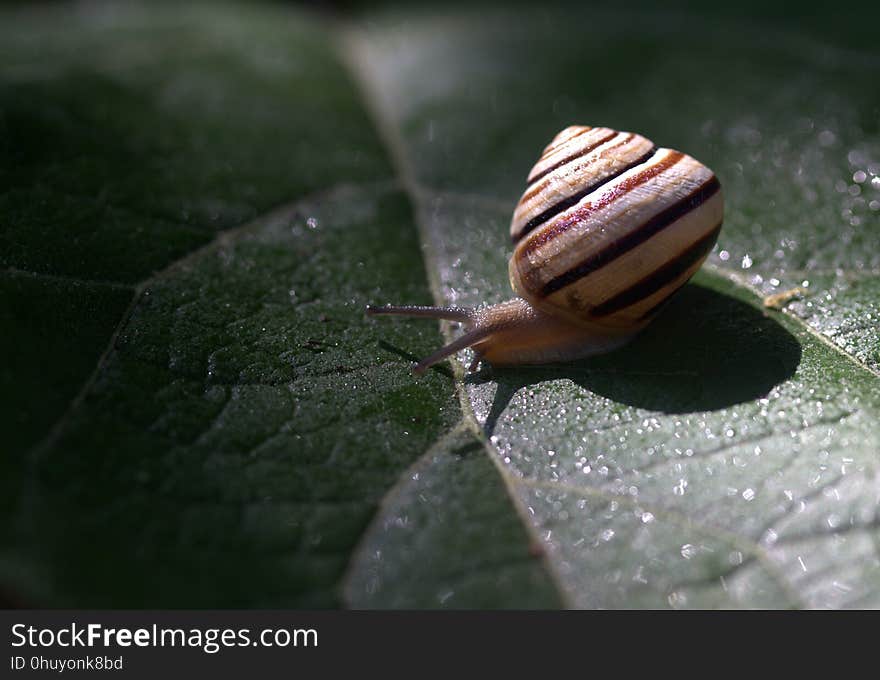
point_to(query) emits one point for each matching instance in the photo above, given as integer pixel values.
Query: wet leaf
(727, 457)
(226, 440)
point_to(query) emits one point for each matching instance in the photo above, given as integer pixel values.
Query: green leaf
(197, 203)
(216, 167)
(727, 457)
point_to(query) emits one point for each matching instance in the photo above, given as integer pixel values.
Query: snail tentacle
(449, 313)
(472, 337)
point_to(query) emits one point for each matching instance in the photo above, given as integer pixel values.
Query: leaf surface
(727, 457)
(196, 201)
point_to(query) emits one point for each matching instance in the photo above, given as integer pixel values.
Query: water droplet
(677, 599)
(639, 575)
(827, 138)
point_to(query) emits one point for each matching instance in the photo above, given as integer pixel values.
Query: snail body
(608, 229)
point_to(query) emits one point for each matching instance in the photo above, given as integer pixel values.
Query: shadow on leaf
(706, 351)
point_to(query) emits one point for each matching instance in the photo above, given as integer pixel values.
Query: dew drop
(827, 138)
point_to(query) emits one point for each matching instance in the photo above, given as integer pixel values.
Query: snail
(608, 229)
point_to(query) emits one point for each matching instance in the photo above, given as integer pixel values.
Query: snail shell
(608, 229)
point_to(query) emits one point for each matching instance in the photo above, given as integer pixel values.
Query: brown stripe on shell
(634, 237)
(554, 145)
(565, 203)
(537, 188)
(575, 155)
(560, 226)
(659, 278)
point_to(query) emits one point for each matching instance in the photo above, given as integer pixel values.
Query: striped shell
(610, 226)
